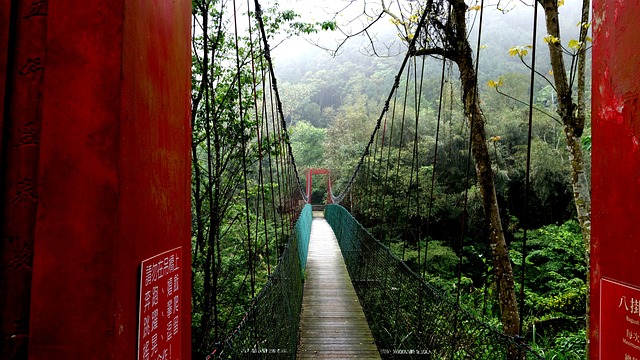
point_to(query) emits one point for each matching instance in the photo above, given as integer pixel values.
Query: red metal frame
(309, 185)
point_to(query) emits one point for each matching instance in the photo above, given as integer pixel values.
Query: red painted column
(24, 36)
(615, 242)
(309, 185)
(5, 10)
(95, 167)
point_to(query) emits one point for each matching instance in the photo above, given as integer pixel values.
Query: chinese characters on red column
(159, 315)
(619, 320)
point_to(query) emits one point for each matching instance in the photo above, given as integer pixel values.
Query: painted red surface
(615, 242)
(5, 9)
(23, 79)
(309, 183)
(109, 178)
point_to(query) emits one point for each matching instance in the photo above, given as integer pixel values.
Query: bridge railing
(269, 328)
(408, 317)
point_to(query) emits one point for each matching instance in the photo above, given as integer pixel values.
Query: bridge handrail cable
(396, 84)
(407, 314)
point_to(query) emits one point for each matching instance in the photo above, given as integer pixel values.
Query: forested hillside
(245, 196)
(332, 106)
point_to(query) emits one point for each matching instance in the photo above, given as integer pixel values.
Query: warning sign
(159, 308)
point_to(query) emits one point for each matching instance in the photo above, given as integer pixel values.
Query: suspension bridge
(358, 299)
(75, 171)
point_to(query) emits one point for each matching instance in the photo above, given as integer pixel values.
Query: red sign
(159, 315)
(619, 320)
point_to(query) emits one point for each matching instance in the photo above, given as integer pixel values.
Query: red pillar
(309, 185)
(615, 242)
(22, 39)
(111, 170)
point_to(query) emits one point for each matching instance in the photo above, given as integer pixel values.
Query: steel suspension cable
(243, 142)
(261, 203)
(528, 166)
(416, 156)
(280, 163)
(381, 179)
(395, 211)
(435, 154)
(265, 114)
(211, 248)
(388, 167)
(267, 56)
(367, 182)
(412, 47)
(374, 173)
(468, 171)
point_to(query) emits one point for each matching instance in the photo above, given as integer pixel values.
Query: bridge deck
(333, 325)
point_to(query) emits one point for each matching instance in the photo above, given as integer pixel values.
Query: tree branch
(436, 51)
(527, 104)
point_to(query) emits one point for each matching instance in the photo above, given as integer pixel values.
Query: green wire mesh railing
(270, 327)
(408, 317)
(303, 233)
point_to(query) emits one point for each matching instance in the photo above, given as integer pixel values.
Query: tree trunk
(486, 184)
(573, 119)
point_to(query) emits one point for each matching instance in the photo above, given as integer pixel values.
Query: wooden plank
(333, 325)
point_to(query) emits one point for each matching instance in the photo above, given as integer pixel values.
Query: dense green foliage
(245, 196)
(344, 98)
(331, 108)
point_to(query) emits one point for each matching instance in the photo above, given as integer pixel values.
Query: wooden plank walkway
(333, 325)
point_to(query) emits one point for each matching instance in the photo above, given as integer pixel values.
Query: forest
(415, 191)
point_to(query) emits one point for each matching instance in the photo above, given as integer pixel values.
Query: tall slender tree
(446, 35)
(572, 111)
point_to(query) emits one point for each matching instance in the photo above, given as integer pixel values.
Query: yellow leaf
(496, 138)
(589, 39)
(560, 3)
(483, 47)
(574, 44)
(519, 51)
(475, 8)
(494, 84)
(550, 39)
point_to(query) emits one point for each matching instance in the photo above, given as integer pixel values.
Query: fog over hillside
(501, 31)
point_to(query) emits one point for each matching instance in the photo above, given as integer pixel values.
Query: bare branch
(538, 73)
(437, 51)
(363, 31)
(527, 104)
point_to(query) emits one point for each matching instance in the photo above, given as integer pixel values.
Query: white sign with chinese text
(159, 307)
